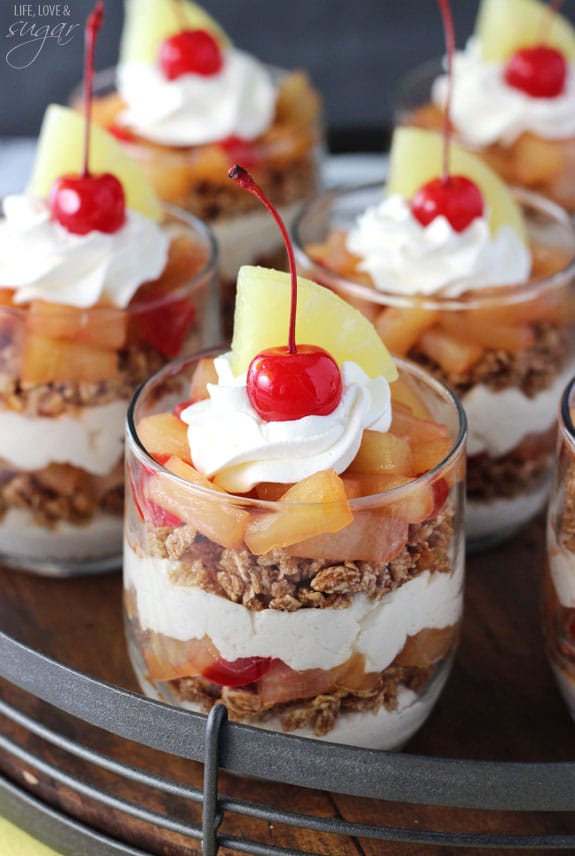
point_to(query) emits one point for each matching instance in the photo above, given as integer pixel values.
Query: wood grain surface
(500, 703)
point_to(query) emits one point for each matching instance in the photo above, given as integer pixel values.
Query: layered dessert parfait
(473, 283)
(513, 96)
(559, 581)
(293, 534)
(186, 104)
(99, 287)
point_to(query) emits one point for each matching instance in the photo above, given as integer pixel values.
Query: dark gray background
(353, 50)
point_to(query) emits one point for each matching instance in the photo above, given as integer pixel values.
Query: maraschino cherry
(289, 382)
(539, 71)
(454, 197)
(88, 203)
(189, 51)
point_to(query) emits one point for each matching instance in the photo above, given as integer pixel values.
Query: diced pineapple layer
(323, 318)
(416, 157)
(504, 26)
(60, 151)
(147, 23)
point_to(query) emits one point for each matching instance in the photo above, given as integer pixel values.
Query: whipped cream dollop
(194, 109)
(258, 451)
(42, 260)
(404, 257)
(486, 110)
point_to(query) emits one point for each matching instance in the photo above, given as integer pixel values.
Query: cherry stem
(242, 177)
(178, 8)
(93, 25)
(450, 45)
(548, 18)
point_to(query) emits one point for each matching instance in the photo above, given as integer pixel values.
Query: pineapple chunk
(403, 393)
(426, 456)
(372, 536)
(504, 27)
(428, 646)
(384, 454)
(416, 157)
(60, 151)
(417, 431)
(104, 327)
(323, 318)
(401, 328)
(319, 505)
(216, 517)
(453, 355)
(147, 23)
(163, 434)
(47, 360)
(204, 374)
(415, 505)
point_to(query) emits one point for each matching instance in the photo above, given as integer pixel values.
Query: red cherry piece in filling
(88, 203)
(166, 326)
(456, 198)
(283, 386)
(539, 71)
(190, 52)
(237, 673)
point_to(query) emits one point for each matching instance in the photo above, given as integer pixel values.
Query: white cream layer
(43, 261)
(404, 257)
(500, 517)
(498, 421)
(21, 537)
(195, 109)
(485, 109)
(305, 639)
(92, 441)
(258, 450)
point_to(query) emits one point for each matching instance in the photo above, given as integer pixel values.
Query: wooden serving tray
(500, 704)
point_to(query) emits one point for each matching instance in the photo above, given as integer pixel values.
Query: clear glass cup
(507, 352)
(285, 161)
(558, 593)
(535, 163)
(274, 633)
(66, 379)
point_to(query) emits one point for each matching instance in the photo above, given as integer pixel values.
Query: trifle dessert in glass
(485, 305)
(294, 543)
(99, 287)
(186, 104)
(559, 579)
(513, 96)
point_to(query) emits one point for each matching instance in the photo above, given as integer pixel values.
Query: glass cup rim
(509, 294)
(209, 268)
(421, 72)
(174, 367)
(565, 420)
